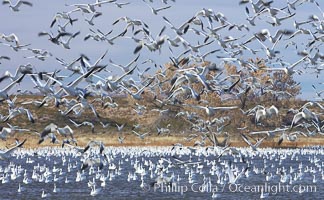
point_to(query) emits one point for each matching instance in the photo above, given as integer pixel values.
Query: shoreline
(167, 141)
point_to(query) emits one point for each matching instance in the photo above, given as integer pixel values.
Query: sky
(29, 21)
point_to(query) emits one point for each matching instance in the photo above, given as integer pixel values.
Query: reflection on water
(193, 174)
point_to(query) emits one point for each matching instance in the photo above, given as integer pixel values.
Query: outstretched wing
(18, 145)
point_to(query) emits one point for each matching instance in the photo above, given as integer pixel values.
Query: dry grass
(154, 140)
(150, 120)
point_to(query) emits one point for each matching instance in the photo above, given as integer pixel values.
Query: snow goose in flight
(11, 103)
(14, 112)
(137, 95)
(17, 128)
(313, 103)
(192, 76)
(89, 162)
(318, 93)
(70, 88)
(234, 177)
(4, 91)
(120, 128)
(288, 70)
(45, 88)
(120, 5)
(179, 162)
(52, 38)
(133, 22)
(4, 57)
(269, 133)
(300, 31)
(121, 139)
(224, 144)
(253, 146)
(265, 34)
(90, 20)
(112, 85)
(98, 36)
(62, 27)
(86, 66)
(5, 155)
(105, 125)
(60, 15)
(71, 65)
(270, 52)
(292, 4)
(156, 10)
(48, 131)
(4, 132)
(90, 7)
(263, 112)
(93, 143)
(15, 47)
(111, 104)
(111, 40)
(141, 136)
(75, 148)
(277, 21)
(84, 104)
(10, 38)
(163, 130)
(210, 111)
(84, 123)
(251, 19)
(15, 7)
(182, 29)
(66, 44)
(186, 90)
(306, 114)
(290, 137)
(65, 131)
(125, 68)
(208, 13)
(22, 69)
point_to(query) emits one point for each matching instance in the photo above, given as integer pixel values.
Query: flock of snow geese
(196, 73)
(178, 172)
